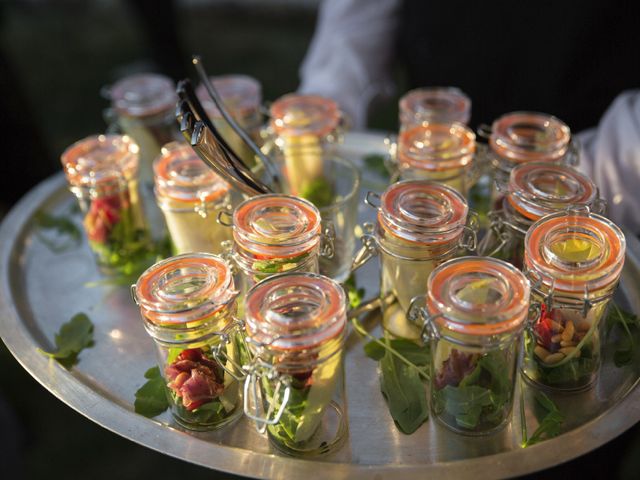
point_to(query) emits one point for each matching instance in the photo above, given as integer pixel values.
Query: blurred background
(55, 57)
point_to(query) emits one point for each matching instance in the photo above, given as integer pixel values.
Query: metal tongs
(208, 143)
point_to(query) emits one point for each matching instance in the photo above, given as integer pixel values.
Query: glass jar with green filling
(102, 171)
(523, 137)
(242, 97)
(442, 152)
(535, 189)
(188, 303)
(573, 261)
(274, 234)
(190, 196)
(143, 106)
(302, 131)
(475, 313)
(420, 224)
(296, 326)
(433, 105)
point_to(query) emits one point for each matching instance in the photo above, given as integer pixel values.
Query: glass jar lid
(577, 252)
(436, 146)
(295, 115)
(538, 189)
(434, 104)
(143, 95)
(241, 95)
(478, 296)
(529, 136)
(422, 211)
(100, 159)
(276, 225)
(185, 288)
(182, 176)
(295, 311)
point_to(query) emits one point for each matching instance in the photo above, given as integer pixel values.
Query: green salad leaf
(550, 425)
(73, 337)
(626, 352)
(416, 354)
(354, 293)
(376, 163)
(67, 233)
(151, 398)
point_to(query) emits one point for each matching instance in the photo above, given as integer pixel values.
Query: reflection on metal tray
(40, 290)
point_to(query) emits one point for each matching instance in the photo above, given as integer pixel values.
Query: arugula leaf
(551, 423)
(404, 392)
(73, 337)
(151, 398)
(277, 265)
(626, 351)
(63, 226)
(419, 355)
(354, 293)
(376, 163)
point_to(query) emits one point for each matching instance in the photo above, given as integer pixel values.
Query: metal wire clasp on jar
(420, 224)
(472, 316)
(296, 325)
(573, 261)
(188, 305)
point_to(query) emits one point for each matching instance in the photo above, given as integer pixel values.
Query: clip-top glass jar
(190, 195)
(522, 137)
(144, 105)
(273, 234)
(535, 190)
(475, 312)
(296, 325)
(188, 303)
(573, 260)
(304, 129)
(242, 97)
(420, 225)
(434, 105)
(102, 173)
(443, 152)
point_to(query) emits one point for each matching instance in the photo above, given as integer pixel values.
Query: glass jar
(522, 137)
(434, 105)
(296, 326)
(102, 173)
(303, 129)
(188, 303)
(420, 224)
(190, 195)
(443, 152)
(573, 261)
(475, 313)
(535, 190)
(273, 234)
(144, 108)
(242, 97)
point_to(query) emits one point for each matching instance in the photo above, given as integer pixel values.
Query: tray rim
(68, 388)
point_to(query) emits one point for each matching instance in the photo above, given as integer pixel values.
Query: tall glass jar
(475, 313)
(535, 190)
(303, 129)
(522, 137)
(188, 303)
(296, 325)
(433, 105)
(420, 224)
(144, 107)
(242, 97)
(191, 195)
(102, 173)
(274, 234)
(443, 152)
(573, 261)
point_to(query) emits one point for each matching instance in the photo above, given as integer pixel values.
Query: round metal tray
(40, 290)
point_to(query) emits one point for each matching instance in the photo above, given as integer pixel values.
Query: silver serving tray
(40, 290)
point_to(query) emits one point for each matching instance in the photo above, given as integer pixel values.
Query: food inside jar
(472, 391)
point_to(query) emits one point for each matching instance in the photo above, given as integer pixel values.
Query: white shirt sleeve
(610, 155)
(349, 59)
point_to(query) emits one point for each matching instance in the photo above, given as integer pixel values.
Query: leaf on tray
(551, 423)
(404, 392)
(626, 351)
(67, 233)
(73, 337)
(354, 293)
(151, 398)
(376, 163)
